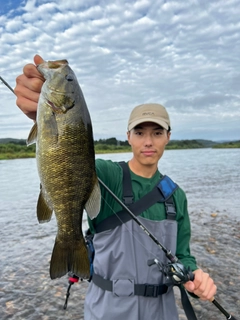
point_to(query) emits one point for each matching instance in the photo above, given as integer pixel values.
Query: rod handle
(220, 308)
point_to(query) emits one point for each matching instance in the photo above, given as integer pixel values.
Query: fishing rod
(176, 270)
(6, 84)
(178, 273)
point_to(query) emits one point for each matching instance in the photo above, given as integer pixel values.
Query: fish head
(59, 88)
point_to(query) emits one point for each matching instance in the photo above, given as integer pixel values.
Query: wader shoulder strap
(187, 306)
(127, 184)
(162, 192)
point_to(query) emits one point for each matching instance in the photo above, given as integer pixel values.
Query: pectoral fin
(44, 212)
(32, 138)
(93, 204)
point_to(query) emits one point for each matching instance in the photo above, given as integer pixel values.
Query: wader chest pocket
(123, 287)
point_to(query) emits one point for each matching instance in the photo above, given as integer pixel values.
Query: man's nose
(148, 140)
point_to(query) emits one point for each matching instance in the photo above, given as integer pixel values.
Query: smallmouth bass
(66, 166)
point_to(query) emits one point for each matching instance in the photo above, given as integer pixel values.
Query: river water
(211, 180)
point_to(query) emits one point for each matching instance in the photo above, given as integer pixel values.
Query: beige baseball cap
(149, 112)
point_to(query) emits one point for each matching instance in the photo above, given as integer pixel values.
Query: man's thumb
(38, 59)
(189, 286)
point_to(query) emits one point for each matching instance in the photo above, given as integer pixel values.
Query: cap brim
(137, 122)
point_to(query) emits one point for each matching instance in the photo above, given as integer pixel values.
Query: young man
(121, 272)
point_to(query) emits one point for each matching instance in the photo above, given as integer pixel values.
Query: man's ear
(168, 137)
(128, 136)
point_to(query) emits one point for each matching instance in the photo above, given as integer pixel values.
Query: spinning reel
(176, 273)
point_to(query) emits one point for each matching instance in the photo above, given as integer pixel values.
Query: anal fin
(44, 212)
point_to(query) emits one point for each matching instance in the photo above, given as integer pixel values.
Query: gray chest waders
(162, 192)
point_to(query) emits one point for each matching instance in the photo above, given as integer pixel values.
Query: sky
(184, 55)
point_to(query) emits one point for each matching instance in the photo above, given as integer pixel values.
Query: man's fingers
(31, 71)
(203, 286)
(27, 106)
(28, 88)
(27, 97)
(206, 290)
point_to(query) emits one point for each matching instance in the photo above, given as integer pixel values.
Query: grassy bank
(231, 144)
(16, 149)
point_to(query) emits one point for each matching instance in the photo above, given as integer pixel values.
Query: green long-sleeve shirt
(111, 174)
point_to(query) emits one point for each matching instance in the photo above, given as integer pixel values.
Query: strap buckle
(171, 211)
(151, 290)
(128, 200)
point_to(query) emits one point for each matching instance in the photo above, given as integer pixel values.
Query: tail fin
(70, 258)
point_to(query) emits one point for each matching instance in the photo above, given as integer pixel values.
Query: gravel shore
(26, 292)
(215, 244)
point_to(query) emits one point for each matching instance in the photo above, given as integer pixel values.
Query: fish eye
(69, 77)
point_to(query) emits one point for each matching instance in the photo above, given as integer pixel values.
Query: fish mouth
(56, 64)
(60, 109)
(52, 64)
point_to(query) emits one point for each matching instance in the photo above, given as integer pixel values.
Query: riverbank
(17, 149)
(27, 292)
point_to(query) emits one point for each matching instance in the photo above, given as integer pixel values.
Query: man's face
(148, 141)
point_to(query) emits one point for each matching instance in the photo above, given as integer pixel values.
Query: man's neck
(144, 171)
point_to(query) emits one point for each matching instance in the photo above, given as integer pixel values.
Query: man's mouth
(148, 152)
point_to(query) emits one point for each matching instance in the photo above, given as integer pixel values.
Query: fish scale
(66, 166)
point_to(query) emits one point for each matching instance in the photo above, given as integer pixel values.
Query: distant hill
(12, 140)
(207, 143)
(190, 144)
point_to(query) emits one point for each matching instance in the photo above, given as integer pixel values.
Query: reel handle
(152, 262)
(191, 276)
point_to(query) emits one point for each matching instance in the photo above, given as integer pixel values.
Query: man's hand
(203, 286)
(28, 88)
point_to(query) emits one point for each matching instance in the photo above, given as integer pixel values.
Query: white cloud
(180, 53)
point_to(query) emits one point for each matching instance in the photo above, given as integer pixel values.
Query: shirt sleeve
(111, 174)
(183, 251)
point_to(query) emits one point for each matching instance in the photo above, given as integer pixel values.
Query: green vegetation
(105, 148)
(111, 145)
(185, 144)
(17, 148)
(231, 144)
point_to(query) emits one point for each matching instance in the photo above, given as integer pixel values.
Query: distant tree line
(185, 144)
(111, 145)
(111, 141)
(231, 144)
(17, 148)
